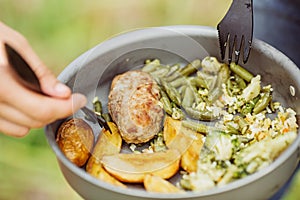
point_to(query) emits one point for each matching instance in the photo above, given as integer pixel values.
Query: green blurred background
(59, 31)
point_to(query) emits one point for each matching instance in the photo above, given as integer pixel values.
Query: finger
(46, 109)
(13, 129)
(50, 85)
(37, 106)
(13, 115)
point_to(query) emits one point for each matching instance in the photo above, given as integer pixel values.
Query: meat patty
(133, 104)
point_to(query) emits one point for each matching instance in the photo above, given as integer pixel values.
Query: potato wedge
(107, 144)
(75, 139)
(133, 168)
(157, 184)
(189, 159)
(177, 136)
(186, 141)
(96, 169)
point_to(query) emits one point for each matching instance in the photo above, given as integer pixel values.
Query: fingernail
(79, 101)
(62, 89)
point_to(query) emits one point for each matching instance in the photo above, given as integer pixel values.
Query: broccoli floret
(220, 144)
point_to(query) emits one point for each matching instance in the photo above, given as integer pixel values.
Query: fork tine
(223, 36)
(236, 30)
(231, 41)
(238, 45)
(247, 47)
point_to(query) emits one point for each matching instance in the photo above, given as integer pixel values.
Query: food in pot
(247, 129)
(75, 139)
(134, 106)
(220, 124)
(133, 168)
(159, 185)
(108, 143)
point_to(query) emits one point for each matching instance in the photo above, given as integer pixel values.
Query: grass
(28, 170)
(61, 30)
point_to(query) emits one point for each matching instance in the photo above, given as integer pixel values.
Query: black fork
(236, 31)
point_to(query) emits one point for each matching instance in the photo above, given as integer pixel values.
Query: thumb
(50, 85)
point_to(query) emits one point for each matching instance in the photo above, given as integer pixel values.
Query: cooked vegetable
(176, 136)
(159, 185)
(160, 72)
(262, 103)
(219, 143)
(133, 168)
(100, 173)
(151, 66)
(107, 144)
(200, 81)
(188, 142)
(240, 71)
(189, 159)
(226, 158)
(261, 154)
(97, 106)
(188, 98)
(75, 139)
(252, 90)
(158, 143)
(171, 92)
(190, 68)
(203, 115)
(217, 126)
(211, 65)
(166, 102)
(196, 126)
(222, 77)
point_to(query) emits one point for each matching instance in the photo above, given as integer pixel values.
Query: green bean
(177, 113)
(214, 94)
(241, 122)
(185, 71)
(172, 77)
(198, 97)
(240, 82)
(188, 98)
(262, 103)
(222, 78)
(174, 68)
(166, 102)
(229, 87)
(181, 91)
(198, 127)
(210, 79)
(248, 107)
(160, 72)
(157, 143)
(205, 115)
(240, 71)
(97, 106)
(179, 82)
(106, 117)
(171, 92)
(190, 68)
(199, 82)
(151, 66)
(231, 130)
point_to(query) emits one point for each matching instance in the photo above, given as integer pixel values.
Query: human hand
(22, 109)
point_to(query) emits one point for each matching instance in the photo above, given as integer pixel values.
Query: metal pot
(92, 72)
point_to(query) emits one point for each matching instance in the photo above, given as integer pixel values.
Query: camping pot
(91, 75)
